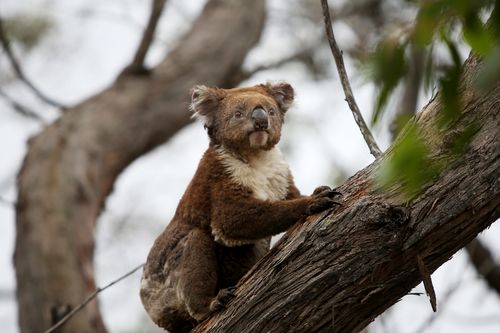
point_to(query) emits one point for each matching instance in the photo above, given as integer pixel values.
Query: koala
(241, 194)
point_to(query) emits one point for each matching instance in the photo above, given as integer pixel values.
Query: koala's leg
(197, 284)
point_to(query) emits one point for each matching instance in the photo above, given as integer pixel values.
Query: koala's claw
(322, 203)
(332, 194)
(222, 299)
(326, 191)
(320, 189)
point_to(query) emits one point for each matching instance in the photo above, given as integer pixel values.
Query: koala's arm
(239, 217)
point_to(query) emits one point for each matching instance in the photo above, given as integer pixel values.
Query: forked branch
(137, 64)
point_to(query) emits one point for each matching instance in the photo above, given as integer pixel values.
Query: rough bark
(337, 272)
(72, 164)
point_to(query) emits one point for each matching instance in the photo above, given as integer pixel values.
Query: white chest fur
(267, 174)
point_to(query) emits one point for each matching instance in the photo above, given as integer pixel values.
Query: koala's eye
(272, 112)
(238, 114)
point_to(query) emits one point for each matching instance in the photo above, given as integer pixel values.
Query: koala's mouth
(258, 138)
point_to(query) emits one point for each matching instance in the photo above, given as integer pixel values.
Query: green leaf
(408, 166)
(449, 86)
(489, 74)
(389, 67)
(428, 20)
(429, 70)
(476, 35)
(461, 142)
(380, 103)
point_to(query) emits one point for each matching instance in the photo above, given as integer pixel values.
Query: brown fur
(241, 194)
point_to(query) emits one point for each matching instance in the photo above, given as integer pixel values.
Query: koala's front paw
(223, 297)
(322, 199)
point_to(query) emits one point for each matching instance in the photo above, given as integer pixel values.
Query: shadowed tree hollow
(335, 273)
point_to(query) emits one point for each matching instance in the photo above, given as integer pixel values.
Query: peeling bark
(72, 164)
(337, 272)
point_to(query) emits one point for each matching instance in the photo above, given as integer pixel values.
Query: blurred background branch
(137, 65)
(6, 45)
(484, 263)
(21, 109)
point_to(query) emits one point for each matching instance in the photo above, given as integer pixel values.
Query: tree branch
(4, 40)
(137, 65)
(484, 263)
(426, 279)
(339, 61)
(303, 55)
(21, 109)
(479, 255)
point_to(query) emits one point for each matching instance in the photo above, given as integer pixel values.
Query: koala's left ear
(282, 92)
(204, 103)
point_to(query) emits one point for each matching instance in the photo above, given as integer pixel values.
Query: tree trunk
(71, 166)
(337, 272)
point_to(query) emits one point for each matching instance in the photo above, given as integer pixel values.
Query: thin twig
(4, 40)
(147, 37)
(301, 55)
(21, 109)
(88, 299)
(427, 280)
(339, 61)
(415, 294)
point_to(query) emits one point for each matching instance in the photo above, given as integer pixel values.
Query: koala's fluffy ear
(204, 103)
(282, 92)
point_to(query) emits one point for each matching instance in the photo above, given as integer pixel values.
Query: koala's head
(243, 119)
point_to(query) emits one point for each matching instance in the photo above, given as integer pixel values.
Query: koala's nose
(260, 119)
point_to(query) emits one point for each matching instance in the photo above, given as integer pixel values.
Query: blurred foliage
(439, 24)
(409, 165)
(27, 29)
(389, 67)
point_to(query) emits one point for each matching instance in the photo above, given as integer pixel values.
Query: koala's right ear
(204, 103)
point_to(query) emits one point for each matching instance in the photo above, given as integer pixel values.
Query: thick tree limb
(338, 272)
(71, 166)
